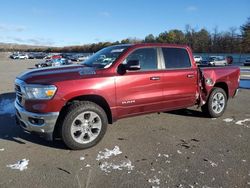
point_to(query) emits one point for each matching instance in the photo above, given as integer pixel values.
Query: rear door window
(176, 58)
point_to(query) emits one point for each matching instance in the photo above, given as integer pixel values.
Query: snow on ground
(108, 153)
(241, 122)
(7, 107)
(154, 181)
(20, 165)
(213, 164)
(2, 149)
(108, 166)
(228, 120)
(82, 158)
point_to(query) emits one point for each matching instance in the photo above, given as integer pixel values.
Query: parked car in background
(54, 63)
(66, 55)
(23, 56)
(14, 55)
(53, 56)
(79, 57)
(37, 55)
(229, 59)
(197, 59)
(247, 62)
(217, 60)
(19, 56)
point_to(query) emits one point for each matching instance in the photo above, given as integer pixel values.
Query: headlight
(41, 92)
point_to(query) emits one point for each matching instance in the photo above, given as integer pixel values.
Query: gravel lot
(174, 149)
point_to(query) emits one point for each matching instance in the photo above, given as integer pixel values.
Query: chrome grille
(19, 93)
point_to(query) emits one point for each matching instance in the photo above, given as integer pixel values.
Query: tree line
(201, 41)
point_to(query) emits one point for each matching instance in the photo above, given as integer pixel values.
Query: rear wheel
(84, 125)
(216, 103)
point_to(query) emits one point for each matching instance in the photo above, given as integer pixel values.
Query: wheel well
(95, 99)
(223, 86)
(92, 98)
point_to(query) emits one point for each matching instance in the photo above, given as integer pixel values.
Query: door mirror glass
(133, 65)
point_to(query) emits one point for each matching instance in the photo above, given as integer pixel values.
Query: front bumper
(236, 92)
(42, 124)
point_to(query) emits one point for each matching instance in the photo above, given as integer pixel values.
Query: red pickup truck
(77, 102)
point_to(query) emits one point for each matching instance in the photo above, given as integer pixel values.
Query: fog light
(36, 121)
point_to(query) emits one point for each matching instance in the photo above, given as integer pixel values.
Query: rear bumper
(42, 124)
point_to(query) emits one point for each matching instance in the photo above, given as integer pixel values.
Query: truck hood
(52, 75)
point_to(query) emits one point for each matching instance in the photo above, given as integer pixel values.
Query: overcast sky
(75, 22)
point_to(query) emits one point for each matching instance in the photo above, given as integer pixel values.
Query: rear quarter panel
(229, 75)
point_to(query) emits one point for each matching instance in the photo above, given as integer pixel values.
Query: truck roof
(155, 44)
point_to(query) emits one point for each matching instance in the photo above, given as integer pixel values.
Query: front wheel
(216, 103)
(84, 125)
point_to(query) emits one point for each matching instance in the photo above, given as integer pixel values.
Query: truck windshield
(105, 57)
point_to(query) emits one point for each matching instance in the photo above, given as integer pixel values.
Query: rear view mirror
(133, 65)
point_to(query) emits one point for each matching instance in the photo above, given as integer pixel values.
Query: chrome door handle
(155, 78)
(190, 75)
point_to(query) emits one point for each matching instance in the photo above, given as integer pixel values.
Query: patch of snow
(154, 180)
(88, 165)
(7, 107)
(179, 152)
(243, 160)
(166, 155)
(228, 120)
(167, 161)
(2, 149)
(20, 165)
(213, 164)
(82, 158)
(108, 153)
(108, 167)
(214, 118)
(180, 186)
(241, 122)
(202, 172)
(159, 155)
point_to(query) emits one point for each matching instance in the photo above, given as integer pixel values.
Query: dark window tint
(176, 58)
(146, 56)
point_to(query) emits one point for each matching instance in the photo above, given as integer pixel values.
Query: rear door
(179, 79)
(140, 91)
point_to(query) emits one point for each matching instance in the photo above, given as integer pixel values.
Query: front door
(140, 91)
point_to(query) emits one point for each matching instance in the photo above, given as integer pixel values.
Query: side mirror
(133, 65)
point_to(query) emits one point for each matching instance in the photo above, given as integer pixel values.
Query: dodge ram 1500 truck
(77, 102)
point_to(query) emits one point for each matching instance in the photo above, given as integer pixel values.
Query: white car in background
(23, 56)
(19, 56)
(217, 60)
(197, 59)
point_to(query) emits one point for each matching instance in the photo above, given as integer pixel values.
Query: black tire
(73, 111)
(208, 110)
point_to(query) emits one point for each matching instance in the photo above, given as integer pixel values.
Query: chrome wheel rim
(218, 103)
(86, 127)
